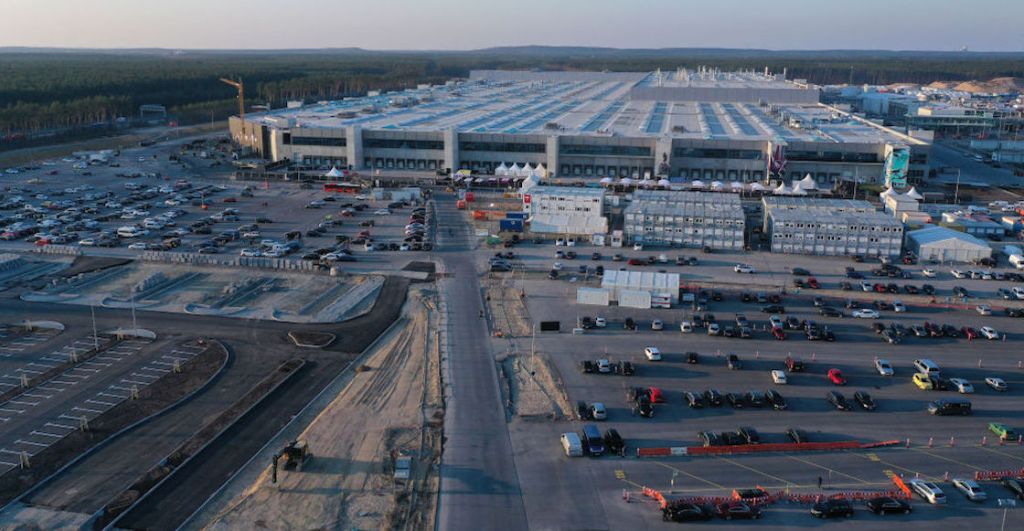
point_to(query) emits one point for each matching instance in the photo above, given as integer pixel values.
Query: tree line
(43, 90)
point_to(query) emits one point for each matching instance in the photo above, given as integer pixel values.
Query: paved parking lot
(588, 492)
(57, 407)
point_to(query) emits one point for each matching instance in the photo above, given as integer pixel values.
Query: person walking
(819, 482)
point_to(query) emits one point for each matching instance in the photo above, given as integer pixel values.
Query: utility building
(946, 245)
(830, 227)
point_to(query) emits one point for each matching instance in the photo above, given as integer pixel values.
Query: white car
(1018, 292)
(638, 247)
(983, 309)
(962, 386)
(865, 313)
(929, 272)
(996, 383)
(598, 411)
(957, 273)
(570, 242)
(779, 377)
(883, 367)
(927, 490)
(87, 242)
(657, 324)
(970, 488)
(867, 286)
(557, 266)
(989, 333)
(686, 327)
(560, 242)
(714, 329)
(405, 247)
(252, 253)
(137, 246)
(382, 212)
(776, 321)
(603, 365)
(743, 268)
(600, 322)
(652, 353)
(898, 306)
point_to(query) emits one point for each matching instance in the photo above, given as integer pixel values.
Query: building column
(552, 153)
(354, 146)
(451, 149)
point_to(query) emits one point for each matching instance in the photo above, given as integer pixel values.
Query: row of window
(398, 143)
(702, 153)
(294, 140)
(831, 156)
(403, 164)
(604, 150)
(503, 147)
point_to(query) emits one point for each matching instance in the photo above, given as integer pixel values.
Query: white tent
(756, 187)
(540, 171)
(664, 183)
(626, 182)
(526, 171)
(781, 190)
(502, 169)
(697, 184)
(717, 185)
(514, 170)
(807, 183)
(647, 183)
(889, 191)
(798, 190)
(605, 181)
(913, 194)
(529, 183)
(335, 172)
(736, 186)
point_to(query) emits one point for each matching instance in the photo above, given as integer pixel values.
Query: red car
(969, 332)
(778, 333)
(230, 200)
(880, 288)
(656, 395)
(813, 283)
(636, 262)
(836, 377)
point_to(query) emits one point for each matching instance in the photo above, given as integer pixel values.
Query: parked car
(997, 384)
(836, 377)
(837, 400)
(865, 400)
(738, 510)
(778, 377)
(652, 353)
(970, 489)
(1014, 485)
(888, 505)
(776, 399)
(831, 508)
(733, 361)
(797, 435)
(927, 490)
(883, 367)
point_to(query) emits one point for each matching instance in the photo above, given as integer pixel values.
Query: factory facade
(686, 125)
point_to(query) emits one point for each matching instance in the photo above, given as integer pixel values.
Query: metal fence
(282, 264)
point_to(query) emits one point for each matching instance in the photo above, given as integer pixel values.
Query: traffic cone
(930, 441)
(814, 356)
(952, 441)
(984, 441)
(908, 442)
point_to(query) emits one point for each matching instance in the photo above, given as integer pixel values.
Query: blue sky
(467, 24)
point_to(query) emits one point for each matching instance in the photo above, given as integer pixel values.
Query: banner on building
(897, 162)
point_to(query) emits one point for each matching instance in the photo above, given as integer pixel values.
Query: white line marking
(91, 401)
(19, 441)
(5, 410)
(33, 432)
(86, 409)
(135, 382)
(22, 403)
(55, 425)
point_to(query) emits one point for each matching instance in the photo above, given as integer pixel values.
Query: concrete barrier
(237, 261)
(772, 447)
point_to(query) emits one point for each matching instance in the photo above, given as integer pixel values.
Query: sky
(980, 25)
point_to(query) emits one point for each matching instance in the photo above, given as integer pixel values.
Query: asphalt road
(479, 482)
(972, 171)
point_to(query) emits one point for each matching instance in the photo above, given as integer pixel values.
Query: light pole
(956, 191)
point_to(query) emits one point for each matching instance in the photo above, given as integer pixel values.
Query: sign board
(897, 162)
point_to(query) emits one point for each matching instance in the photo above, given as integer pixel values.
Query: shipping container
(510, 225)
(593, 296)
(515, 215)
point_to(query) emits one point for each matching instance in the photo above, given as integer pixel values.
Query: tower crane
(241, 95)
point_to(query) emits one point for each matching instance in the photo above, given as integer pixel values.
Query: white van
(686, 327)
(927, 367)
(572, 445)
(130, 232)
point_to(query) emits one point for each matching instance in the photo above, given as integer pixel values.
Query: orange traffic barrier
(653, 452)
(902, 486)
(772, 447)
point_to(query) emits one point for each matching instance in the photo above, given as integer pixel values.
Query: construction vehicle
(295, 455)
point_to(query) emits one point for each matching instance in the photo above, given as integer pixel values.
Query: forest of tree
(56, 89)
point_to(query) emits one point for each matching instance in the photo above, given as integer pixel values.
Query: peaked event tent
(335, 172)
(807, 183)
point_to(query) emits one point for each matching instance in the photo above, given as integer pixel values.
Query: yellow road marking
(698, 478)
(897, 467)
(993, 450)
(888, 473)
(873, 456)
(752, 469)
(944, 458)
(823, 467)
(620, 474)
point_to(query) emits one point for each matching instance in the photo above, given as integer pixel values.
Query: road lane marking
(831, 470)
(698, 478)
(993, 450)
(752, 469)
(897, 467)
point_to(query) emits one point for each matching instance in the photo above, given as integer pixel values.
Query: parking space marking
(22, 403)
(86, 409)
(92, 401)
(62, 382)
(897, 467)
(32, 395)
(873, 456)
(155, 369)
(135, 382)
(118, 397)
(46, 434)
(64, 426)
(698, 478)
(829, 469)
(20, 441)
(944, 458)
(48, 388)
(5, 410)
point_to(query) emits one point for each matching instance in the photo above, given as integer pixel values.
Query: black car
(749, 435)
(694, 400)
(634, 394)
(830, 508)
(887, 505)
(837, 400)
(679, 511)
(738, 510)
(613, 442)
(692, 357)
(588, 366)
(709, 438)
(746, 297)
(928, 289)
(734, 362)
(1015, 486)
(731, 438)
(827, 334)
(713, 397)
(865, 400)
(797, 435)
(755, 399)
(828, 311)
(773, 308)
(775, 399)
(801, 272)
(626, 368)
(735, 400)
(582, 411)
(595, 256)
(819, 302)
(643, 407)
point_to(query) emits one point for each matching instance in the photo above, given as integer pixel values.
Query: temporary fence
(772, 447)
(662, 452)
(284, 264)
(68, 250)
(998, 474)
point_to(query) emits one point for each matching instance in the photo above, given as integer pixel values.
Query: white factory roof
(640, 280)
(582, 104)
(935, 235)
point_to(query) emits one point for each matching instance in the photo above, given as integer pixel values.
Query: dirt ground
(508, 313)
(535, 387)
(348, 483)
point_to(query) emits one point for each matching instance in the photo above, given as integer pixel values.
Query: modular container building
(686, 219)
(595, 296)
(565, 210)
(830, 227)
